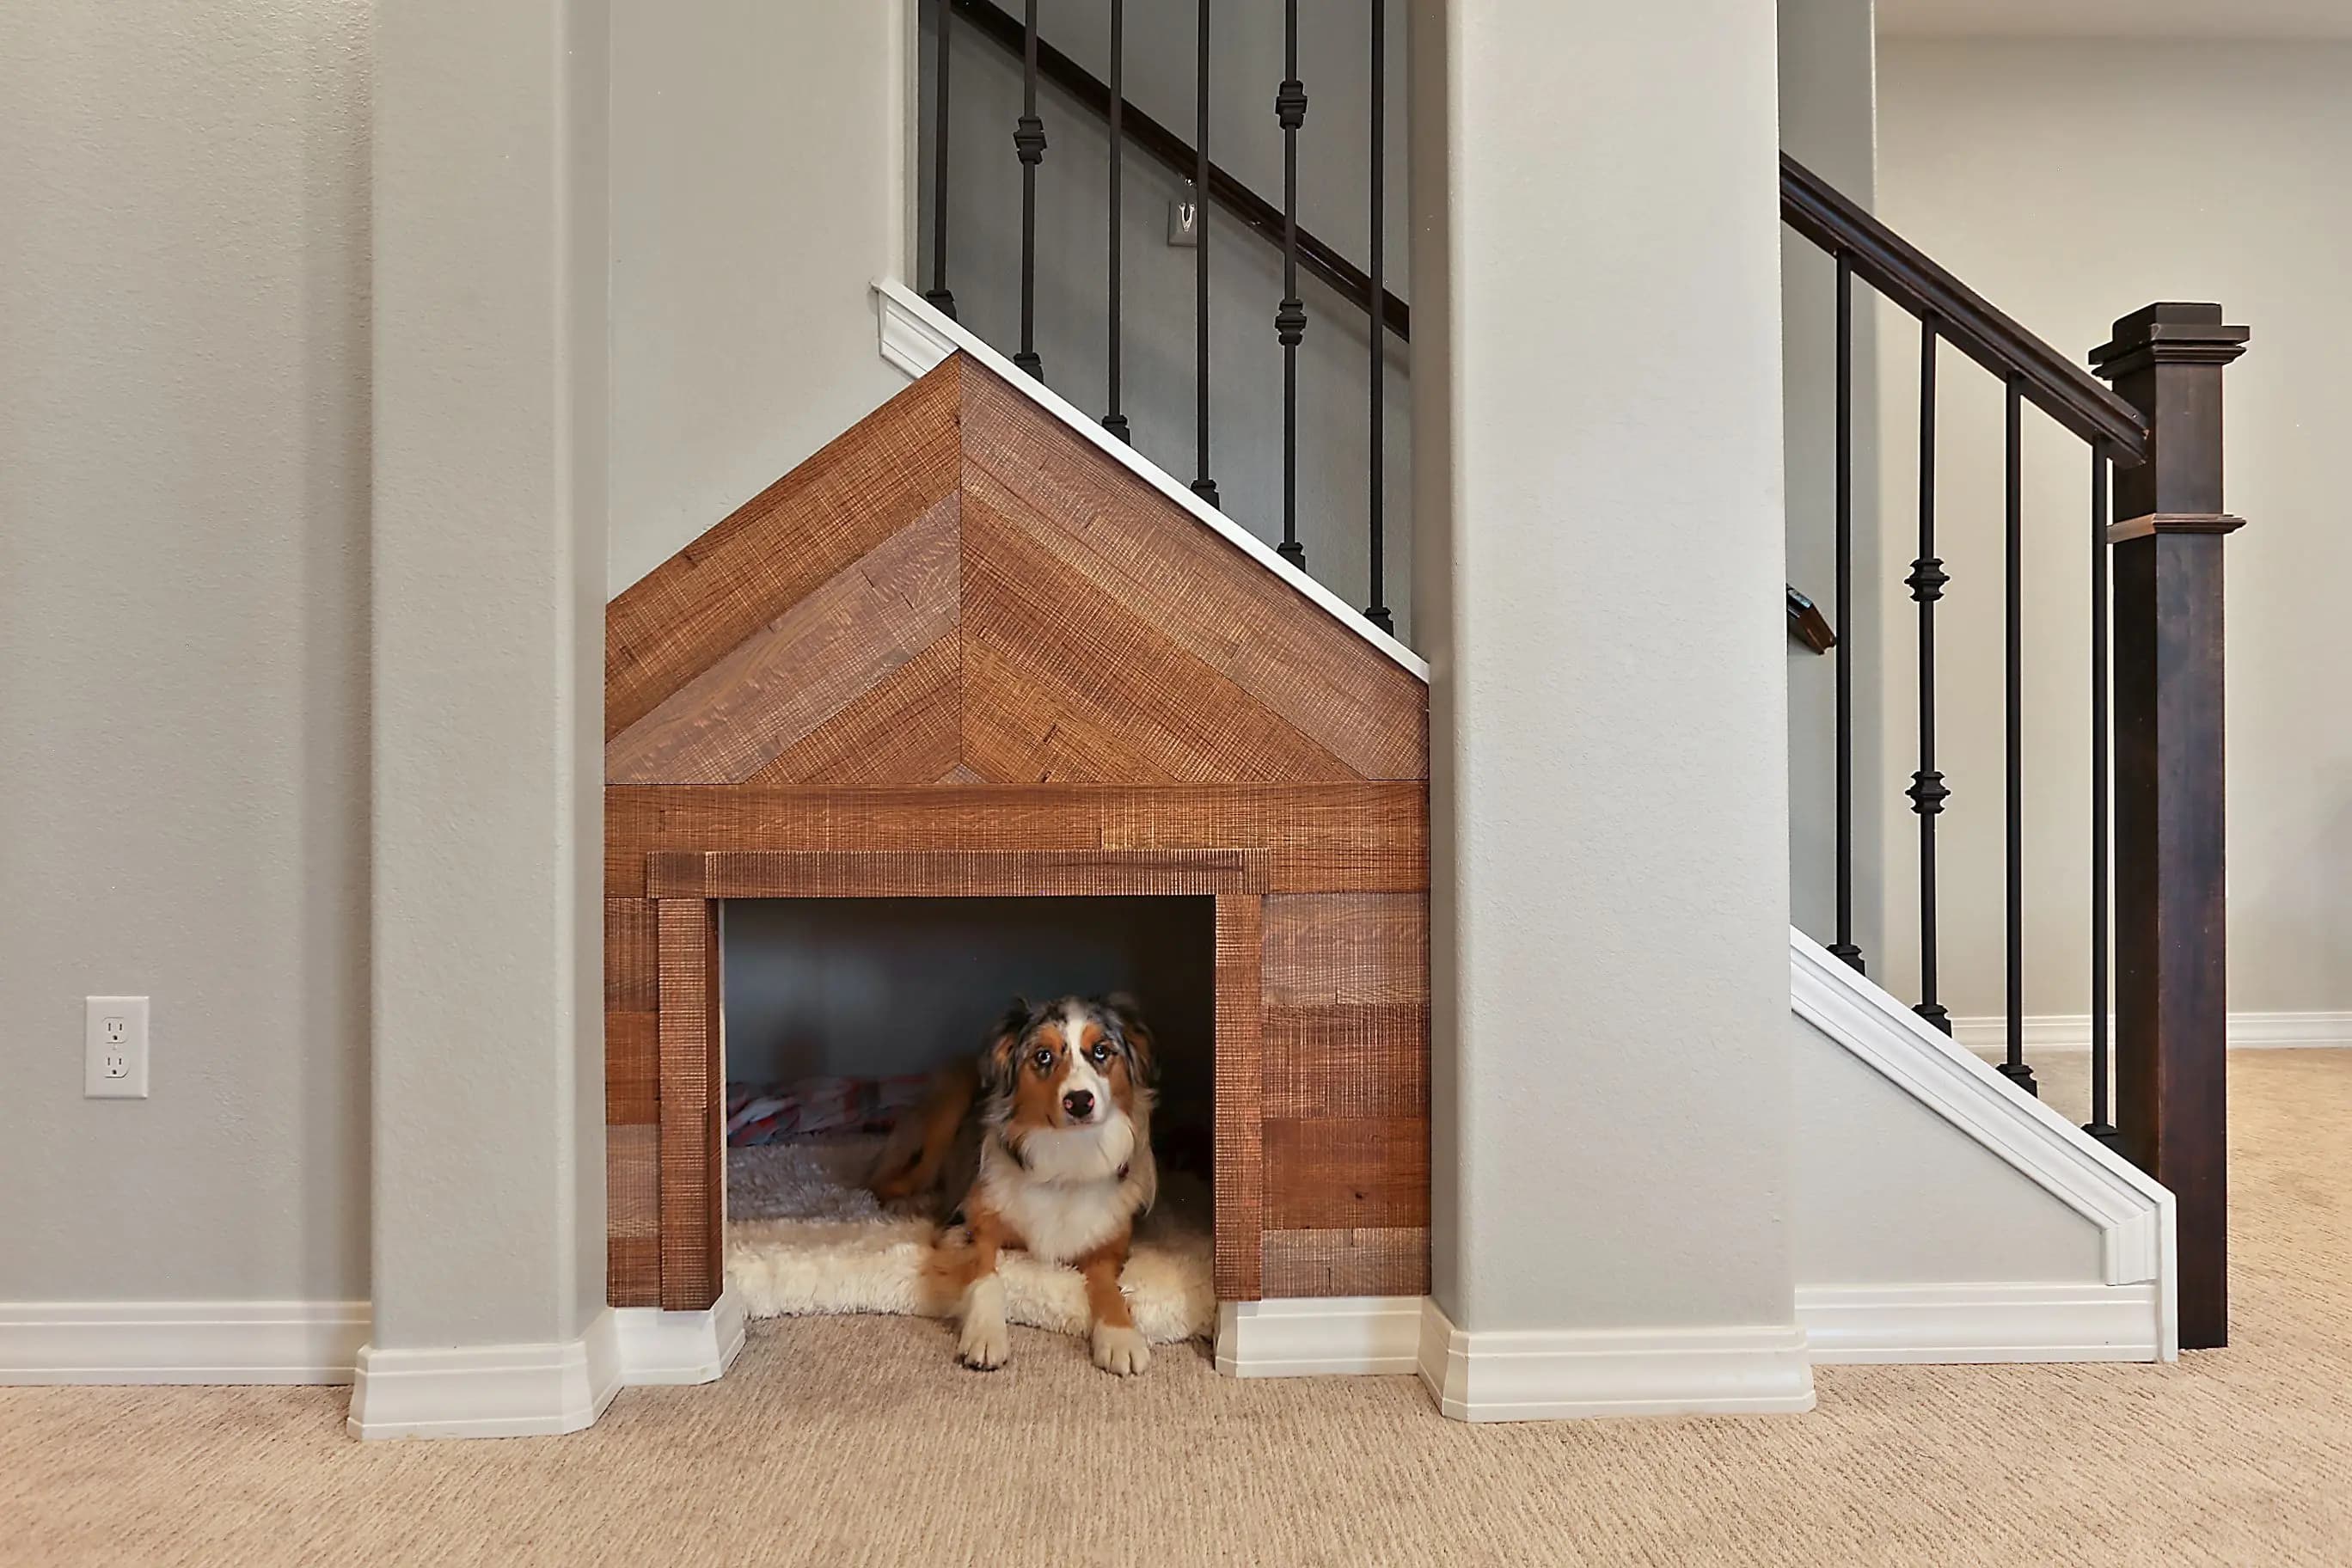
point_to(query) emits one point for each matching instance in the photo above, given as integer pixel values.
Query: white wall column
(1598, 467)
(490, 259)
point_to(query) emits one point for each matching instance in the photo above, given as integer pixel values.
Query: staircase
(2152, 517)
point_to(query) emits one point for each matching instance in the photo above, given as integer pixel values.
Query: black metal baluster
(2099, 1126)
(937, 293)
(1927, 584)
(1029, 142)
(1203, 484)
(1290, 317)
(2012, 1066)
(1844, 947)
(1113, 420)
(1376, 611)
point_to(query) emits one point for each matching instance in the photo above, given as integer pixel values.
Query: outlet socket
(114, 1047)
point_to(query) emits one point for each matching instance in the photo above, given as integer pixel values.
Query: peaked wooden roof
(960, 589)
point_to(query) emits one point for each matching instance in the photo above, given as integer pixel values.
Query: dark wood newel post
(2171, 952)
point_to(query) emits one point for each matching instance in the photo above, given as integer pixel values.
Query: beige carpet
(855, 1441)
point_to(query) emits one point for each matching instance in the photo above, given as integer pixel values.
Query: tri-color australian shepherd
(1044, 1142)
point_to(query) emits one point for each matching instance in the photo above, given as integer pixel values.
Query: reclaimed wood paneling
(1347, 950)
(633, 1216)
(949, 873)
(692, 1170)
(906, 730)
(779, 686)
(1049, 657)
(1136, 548)
(877, 476)
(1346, 1061)
(1392, 1261)
(961, 653)
(1240, 1176)
(1347, 1173)
(1335, 835)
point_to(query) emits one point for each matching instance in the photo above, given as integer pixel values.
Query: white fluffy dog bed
(803, 1239)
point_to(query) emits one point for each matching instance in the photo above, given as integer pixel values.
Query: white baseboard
(181, 1341)
(1557, 1374)
(2247, 1031)
(488, 1390)
(1931, 1324)
(1314, 1337)
(659, 1347)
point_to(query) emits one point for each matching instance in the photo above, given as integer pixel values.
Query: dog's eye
(1099, 1055)
(1043, 1060)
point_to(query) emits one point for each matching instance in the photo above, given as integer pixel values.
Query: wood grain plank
(1347, 949)
(1372, 1261)
(1240, 1158)
(1049, 658)
(949, 873)
(629, 956)
(632, 1068)
(690, 1105)
(1347, 1173)
(823, 652)
(633, 1216)
(1346, 1061)
(1145, 553)
(1314, 836)
(877, 476)
(906, 730)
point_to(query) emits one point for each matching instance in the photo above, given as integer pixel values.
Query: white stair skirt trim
(659, 1347)
(1942, 1324)
(2247, 1031)
(1557, 1374)
(488, 1390)
(2134, 1213)
(1319, 1336)
(915, 336)
(181, 1341)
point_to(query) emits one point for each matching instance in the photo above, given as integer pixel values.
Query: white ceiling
(2117, 18)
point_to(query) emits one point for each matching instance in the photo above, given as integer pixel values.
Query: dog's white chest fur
(1073, 1194)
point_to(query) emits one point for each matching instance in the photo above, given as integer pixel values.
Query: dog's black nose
(1079, 1103)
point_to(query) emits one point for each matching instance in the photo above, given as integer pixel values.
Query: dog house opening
(838, 1013)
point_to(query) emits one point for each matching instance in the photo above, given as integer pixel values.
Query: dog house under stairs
(963, 652)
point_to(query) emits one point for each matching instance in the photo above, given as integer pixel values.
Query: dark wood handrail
(1902, 271)
(1807, 624)
(1004, 29)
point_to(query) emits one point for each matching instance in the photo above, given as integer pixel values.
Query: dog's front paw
(1122, 1352)
(985, 1346)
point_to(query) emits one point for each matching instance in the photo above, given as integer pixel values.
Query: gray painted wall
(1157, 289)
(1599, 558)
(184, 664)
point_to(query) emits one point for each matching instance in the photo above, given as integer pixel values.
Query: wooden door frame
(686, 889)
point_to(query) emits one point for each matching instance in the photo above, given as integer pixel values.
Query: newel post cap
(2176, 332)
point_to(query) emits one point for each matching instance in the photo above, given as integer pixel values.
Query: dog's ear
(996, 1059)
(1142, 1050)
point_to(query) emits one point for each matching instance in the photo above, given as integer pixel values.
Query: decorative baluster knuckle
(1290, 322)
(1029, 139)
(1927, 792)
(1290, 105)
(1926, 580)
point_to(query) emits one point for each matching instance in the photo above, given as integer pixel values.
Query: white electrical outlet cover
(114, 1047)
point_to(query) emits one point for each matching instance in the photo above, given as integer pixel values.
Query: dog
(1042, 1143)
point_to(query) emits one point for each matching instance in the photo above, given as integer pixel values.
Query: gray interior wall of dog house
(183, 646)
(1157, 289)
(1828, 84)
(870, 987)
